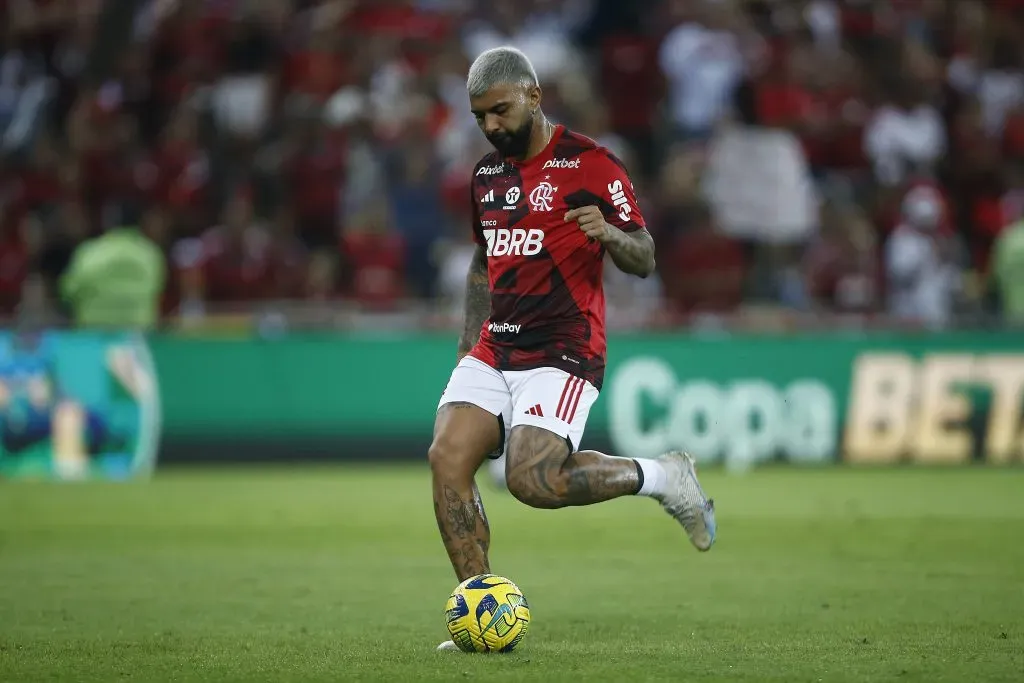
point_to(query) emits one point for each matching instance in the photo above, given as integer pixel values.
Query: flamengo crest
(542, 196)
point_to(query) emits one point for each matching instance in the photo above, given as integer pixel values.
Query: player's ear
(534, 97)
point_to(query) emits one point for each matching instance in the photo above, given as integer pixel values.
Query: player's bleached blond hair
(500, 66)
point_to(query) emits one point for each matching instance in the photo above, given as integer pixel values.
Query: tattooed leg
(464, 530)
(542, 473)
(463, 437)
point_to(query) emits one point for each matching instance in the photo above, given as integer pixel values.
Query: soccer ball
(487, 613)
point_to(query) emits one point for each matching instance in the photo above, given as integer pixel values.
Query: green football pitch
(337, 574)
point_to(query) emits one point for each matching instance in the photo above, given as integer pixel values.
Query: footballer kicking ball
(487, 613)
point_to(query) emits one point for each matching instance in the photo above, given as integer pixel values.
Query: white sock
(654, 477)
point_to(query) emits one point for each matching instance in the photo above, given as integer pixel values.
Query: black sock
(639, 475)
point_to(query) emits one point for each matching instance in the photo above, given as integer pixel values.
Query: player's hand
(591, 222)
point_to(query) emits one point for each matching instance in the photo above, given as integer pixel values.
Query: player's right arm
(478, 301)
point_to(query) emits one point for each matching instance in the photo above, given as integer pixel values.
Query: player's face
(505, 114)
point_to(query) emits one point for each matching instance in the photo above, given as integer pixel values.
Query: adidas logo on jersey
(561, 163)
(488, 198)
(490, 170)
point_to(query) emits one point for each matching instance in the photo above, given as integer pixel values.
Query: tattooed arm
(478, 301)
(632, 252)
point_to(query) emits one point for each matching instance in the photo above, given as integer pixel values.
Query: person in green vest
(1008, 271)
(115, 281)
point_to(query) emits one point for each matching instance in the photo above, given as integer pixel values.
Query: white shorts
(548, 398)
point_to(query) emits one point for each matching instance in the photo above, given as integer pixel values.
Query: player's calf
(463, 435)
(541, 471)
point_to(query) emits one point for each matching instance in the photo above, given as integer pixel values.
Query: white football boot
(685, 501)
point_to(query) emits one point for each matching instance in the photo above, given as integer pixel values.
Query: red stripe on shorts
(565, 390)
(576, 402)
(563, 414)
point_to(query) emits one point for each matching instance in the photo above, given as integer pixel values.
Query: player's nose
(492, 124)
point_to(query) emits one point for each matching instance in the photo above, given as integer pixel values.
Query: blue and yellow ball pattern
(487, 613)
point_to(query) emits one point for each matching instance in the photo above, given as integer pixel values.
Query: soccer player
(548, 205)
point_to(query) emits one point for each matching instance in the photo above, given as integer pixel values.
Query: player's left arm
(632, 252)
(615, 221)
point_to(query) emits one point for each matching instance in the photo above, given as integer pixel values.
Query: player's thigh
(555, 406)
(470, 421)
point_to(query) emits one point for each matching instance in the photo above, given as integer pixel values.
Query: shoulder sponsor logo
(562, 163)
(619, 200)
(542, 196)
(491, 170)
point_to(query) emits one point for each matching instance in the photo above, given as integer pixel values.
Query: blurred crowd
(316, 154)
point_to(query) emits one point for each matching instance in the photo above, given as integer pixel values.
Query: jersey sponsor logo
(512, 197)
(561, 163)
(488, 224)
(514, 241)
(504, 327)
(490, 170)
(619, 200)
(542, 196)
(488, 198)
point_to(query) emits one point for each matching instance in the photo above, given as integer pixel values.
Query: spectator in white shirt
(703, 64)
(921, 274)
(905, 135)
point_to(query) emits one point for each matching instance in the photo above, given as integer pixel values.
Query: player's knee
(448, 458)
(463, 436)
(527, 491)
(440, 455)
(533, 471)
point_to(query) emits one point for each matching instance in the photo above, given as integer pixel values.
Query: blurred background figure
(115, 281)
(310, 159)
(921, 262)
(1008, 272)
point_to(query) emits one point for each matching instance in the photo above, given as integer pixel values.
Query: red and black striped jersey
(547, 299)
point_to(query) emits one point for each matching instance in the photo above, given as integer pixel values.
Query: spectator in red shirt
(816, 97)
(36, 186)
(317, 70)
(629, 69)
(236, 258)
(15, 259)
(176, 174)
(1013, 135)
(841, 264)
(316, 175)
(703, 269)
(375, 257)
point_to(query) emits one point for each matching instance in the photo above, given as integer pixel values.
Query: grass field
(336, 574)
